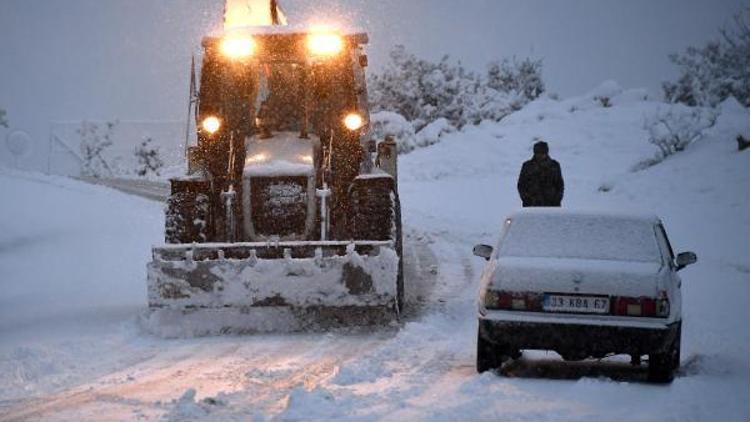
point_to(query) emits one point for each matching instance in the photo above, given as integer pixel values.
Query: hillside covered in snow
(73, 256)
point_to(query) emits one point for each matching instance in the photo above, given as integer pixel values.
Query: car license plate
(577, 304)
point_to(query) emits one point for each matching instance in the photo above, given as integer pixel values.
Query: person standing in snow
(540, 183)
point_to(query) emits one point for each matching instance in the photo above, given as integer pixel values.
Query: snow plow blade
(205, 289)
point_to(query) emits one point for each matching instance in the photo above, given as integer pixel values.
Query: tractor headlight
(354, 121)
(211, 124)
(237, 48)
(325, 44)
(257, 158)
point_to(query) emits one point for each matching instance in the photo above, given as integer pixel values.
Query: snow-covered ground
(72, 261)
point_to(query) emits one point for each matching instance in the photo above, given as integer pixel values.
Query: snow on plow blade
(203, 289)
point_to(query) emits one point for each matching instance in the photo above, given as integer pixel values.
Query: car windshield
(580, 237)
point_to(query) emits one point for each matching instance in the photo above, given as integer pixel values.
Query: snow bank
(187, 408)
(72, 261)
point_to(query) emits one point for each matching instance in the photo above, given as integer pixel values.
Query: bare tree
(672, 129)
(94, 141)
(149, 158)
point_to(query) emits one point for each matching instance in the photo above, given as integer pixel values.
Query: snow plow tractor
(288, 218)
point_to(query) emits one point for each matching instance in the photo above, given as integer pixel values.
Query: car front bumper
(577, 336)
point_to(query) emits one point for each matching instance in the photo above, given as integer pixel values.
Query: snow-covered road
(73, 287)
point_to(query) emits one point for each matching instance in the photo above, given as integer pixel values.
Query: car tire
(492, 356)
(662, 366)
(678, 342)
(486, 357)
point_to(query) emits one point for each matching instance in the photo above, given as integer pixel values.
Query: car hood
(576, 276)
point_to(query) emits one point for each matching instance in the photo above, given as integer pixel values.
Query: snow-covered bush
(431, 134)
(716, 71)
(423, 92)
(387, 123)
(3, 119)
(94, 141)
(603, 95)
(149, 158)
(522, 79)
(673, 128)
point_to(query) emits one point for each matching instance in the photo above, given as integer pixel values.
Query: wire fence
(70, 152)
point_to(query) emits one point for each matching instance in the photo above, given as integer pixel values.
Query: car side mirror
(483, 251)
(684, 259)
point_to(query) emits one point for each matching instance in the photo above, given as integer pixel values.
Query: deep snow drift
(72, 259)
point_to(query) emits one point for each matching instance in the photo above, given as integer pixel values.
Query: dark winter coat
(540, 183)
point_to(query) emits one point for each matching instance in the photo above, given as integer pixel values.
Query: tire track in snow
(258, 371)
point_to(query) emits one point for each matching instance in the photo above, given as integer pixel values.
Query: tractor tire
(186, 217)
(377, 216)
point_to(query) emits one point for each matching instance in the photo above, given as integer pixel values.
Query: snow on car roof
(559, 233)
(563, 212)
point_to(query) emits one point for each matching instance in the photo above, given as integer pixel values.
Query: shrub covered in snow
(423, 91)
(94, 142)
(387, 123)
(716, 71)
(673, 128)
(149, 158)
(432, 133)
(603, 94)
(522, 78)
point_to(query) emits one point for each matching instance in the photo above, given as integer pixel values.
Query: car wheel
(491, 356)
(661, 366)
(678, 342)
(487, 358)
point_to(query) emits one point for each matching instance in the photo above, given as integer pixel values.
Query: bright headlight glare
(238, 48)
(257, 158)
(354, 121)
(325, 44)
(211, 124)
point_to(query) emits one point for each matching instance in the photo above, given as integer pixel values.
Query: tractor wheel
(377, 216)
(186, 218)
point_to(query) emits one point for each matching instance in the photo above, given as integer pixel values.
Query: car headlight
(237, 48)
(325, 44)
(354, 121)
(211, 124)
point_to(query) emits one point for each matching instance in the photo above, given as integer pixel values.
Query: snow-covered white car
(583, 285)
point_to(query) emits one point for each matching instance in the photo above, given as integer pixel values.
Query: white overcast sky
(129, 59)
